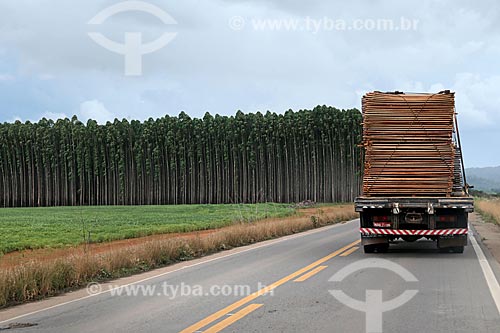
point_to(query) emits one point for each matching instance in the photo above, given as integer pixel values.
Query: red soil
(19, 257)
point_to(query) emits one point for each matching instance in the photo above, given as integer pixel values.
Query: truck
(414, 182)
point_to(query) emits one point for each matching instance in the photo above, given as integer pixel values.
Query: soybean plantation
(52, 227)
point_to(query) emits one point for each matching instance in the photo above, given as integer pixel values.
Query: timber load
(408, 142)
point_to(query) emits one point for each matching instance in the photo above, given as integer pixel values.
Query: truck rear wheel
(380, 248)
(383, 248)
(454, 249)
(369, 248)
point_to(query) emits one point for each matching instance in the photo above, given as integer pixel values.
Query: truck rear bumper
(443, 241)
(376, 232)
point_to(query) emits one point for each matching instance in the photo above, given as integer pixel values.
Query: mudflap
(374, 240)
(447, 242)
(375, 244)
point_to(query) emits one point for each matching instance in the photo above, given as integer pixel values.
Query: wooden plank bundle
(408, 141)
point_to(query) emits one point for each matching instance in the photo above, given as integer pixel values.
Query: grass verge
(57, 227)
(489, 209)
(34, 280)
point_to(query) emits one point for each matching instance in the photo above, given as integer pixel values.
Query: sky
(220, 56)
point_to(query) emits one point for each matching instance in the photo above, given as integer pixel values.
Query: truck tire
(369, 248)
(383, 248)
(453, 249)
(380, 248)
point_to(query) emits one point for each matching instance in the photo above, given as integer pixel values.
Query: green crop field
(30, 228)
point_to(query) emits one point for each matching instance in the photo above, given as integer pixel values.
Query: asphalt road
(447, 292)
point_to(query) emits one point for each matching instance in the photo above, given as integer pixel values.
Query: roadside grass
(489, 209)
(33, 228)
(36, 280)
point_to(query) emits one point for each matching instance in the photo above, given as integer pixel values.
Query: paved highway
(288, 285)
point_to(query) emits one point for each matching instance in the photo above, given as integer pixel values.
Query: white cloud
(93, 109)
(14, 119)
(211, 67)
(47, 115)
(6, 77)
(476, 98)
(53, 115)
(46, 77)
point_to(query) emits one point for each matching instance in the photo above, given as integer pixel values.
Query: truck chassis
(441, 219)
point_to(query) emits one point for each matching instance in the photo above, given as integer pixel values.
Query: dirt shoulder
(489, 232)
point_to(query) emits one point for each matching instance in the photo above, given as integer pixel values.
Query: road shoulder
(489, 235)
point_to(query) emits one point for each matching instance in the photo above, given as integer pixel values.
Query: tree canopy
(246, 158)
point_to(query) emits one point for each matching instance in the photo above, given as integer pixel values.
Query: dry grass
(489, 209)
(36, 280)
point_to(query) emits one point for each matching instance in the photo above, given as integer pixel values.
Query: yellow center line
(311, 273)
(232, 319)
(204, 322)
(348, 252)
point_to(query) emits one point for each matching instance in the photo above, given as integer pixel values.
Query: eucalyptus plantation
(246, 158)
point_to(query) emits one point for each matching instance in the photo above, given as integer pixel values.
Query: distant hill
(484, 179)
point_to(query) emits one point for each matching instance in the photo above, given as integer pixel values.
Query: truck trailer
(414, 183)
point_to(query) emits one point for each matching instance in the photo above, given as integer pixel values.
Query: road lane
(310, 274)
(233, 318)
(452, 296)
(262, 292)
(348, 252)
(453, 293)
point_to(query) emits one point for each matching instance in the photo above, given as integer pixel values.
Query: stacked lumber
(408, 141)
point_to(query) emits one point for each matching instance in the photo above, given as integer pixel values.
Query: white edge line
(487, 271)
(275, 241)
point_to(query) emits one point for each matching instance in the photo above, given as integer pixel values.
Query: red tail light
(383, 218)
(447, 218)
